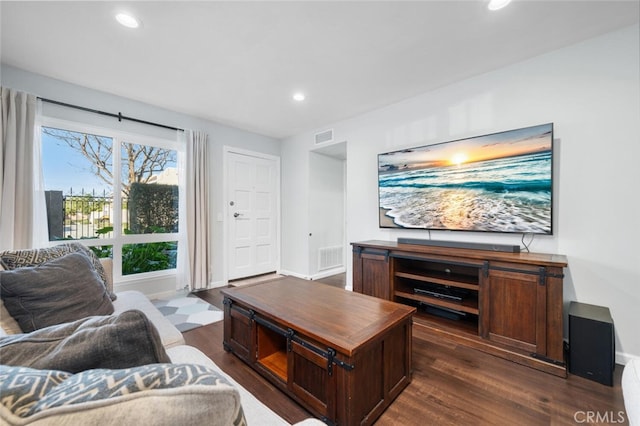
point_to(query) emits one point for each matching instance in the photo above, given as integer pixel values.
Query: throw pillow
(118, 341)
(21, 388)
(12, 259)
(61, 290)
(158, 394)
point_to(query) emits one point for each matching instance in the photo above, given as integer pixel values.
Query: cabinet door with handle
(239, 334)
(310, 381)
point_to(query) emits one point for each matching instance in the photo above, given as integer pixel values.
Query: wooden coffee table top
(338, 318)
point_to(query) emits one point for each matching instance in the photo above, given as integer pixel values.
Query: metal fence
(80, 215)
(90, 215)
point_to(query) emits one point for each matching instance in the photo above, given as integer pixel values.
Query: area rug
(188, 312)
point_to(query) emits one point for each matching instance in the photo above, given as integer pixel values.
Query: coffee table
(344, 356)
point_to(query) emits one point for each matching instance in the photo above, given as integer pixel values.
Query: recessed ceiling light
(298, 97)
(127, 20)
(498, 4)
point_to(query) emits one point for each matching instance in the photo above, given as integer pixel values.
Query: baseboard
(317, 276)
(328, 273)
(293, 274)
(623, 358)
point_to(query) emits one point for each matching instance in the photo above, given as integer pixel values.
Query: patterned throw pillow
(21, 388)
(12, 259)
(159, 394)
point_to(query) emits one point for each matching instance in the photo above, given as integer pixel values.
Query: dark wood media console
(506, 304)
(343, 356)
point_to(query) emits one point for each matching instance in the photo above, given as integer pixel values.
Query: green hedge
(153, 208)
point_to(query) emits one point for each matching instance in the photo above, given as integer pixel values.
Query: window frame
(120, 239)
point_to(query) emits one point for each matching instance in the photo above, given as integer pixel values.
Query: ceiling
(238, 63)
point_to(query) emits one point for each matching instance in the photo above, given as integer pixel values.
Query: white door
(252, 214)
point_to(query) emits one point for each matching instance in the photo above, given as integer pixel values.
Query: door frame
(226, 150)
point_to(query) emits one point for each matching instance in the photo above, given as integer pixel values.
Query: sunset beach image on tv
(501, 182)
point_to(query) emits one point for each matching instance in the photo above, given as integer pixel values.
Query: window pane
(150, 185)
(102, 251)
(78, 178)
(147, 257)
(79, 174)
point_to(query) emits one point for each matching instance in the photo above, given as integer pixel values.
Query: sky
(65, 168)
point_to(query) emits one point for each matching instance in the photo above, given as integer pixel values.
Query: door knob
(236, 214)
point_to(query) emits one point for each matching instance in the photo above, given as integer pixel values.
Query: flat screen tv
(501, 182)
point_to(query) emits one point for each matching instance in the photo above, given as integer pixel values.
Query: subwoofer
(591, 342)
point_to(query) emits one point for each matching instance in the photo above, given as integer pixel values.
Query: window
(117, 193)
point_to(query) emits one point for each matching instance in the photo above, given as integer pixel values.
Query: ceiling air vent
(324, 137)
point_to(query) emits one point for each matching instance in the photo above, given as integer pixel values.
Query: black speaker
(591, 342)
(461, 244)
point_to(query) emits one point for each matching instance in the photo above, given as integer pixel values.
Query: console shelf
(506, 304)
(444, 280)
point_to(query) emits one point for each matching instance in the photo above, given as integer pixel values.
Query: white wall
(591, 91)
(294, 169)
(326, 206)
(219, 136)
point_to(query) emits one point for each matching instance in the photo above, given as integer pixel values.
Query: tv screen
(501, 182)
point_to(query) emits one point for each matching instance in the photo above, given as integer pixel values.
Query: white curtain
(22, 219)
(197, 211)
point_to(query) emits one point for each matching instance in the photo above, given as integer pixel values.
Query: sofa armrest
(185, 354)
(107, 264)
(133, 299)
(8, 324)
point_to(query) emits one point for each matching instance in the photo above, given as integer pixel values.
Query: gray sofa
(191, 403)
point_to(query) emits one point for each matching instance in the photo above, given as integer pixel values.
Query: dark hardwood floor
(452, 385)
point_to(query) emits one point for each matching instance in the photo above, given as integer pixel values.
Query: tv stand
(504, 303)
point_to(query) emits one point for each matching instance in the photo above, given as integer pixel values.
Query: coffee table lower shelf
(277, 364)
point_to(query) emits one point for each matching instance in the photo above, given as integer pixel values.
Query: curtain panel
(198, 210)
(19, 171)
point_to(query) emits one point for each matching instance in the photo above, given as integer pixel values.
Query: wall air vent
(330, 257)
(324, 137)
